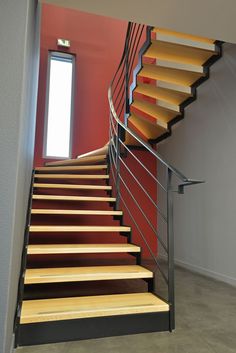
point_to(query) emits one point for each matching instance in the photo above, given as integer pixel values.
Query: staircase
(77, 236)
(87, 272)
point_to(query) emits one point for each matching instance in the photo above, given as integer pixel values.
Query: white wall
(18, 87)
(203, 146)
(209, 18)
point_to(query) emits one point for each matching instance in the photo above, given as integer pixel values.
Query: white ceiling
(210, 18)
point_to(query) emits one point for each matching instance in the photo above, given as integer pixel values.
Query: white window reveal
(59, 106)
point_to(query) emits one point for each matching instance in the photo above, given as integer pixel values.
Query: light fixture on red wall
(65, 43)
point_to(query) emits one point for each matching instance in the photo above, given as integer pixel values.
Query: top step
(71, 168)
(185, 39)
(79, 161)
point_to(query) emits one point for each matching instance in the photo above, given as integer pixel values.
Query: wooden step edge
(145, 128)
(69, 229)
(184, 39)
(162, 101)
(71, 186)
(81, 274)
(76, 212)
(73, 198)
(180, 66)
(70, 176)
(43, 249)
(158, 115)
(169, 97)
(78, 161)
(70, 168)
(45, 310)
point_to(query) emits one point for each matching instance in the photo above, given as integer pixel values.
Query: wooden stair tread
(76, 212)
(70, 176)
(194, 58)
(161, 116)
(72, 186)
(167, 95)
(184, 39)
(91, 273)
(79, 229)
(70, 168)
(131, 141)
(90, 306)
(81, 248)
(73, 198)
(150, 131)
(174, 76)
(78, 161)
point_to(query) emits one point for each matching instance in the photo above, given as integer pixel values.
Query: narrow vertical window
(59, 103)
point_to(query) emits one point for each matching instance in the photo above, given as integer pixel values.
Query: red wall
(98, 43)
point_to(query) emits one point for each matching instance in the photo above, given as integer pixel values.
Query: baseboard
(207, 273)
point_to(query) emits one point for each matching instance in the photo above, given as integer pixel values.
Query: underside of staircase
(82, 275)
(165, 82)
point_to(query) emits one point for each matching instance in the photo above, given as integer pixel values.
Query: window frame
(59, 54)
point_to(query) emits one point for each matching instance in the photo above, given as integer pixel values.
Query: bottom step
(67, 319)
(91, 306)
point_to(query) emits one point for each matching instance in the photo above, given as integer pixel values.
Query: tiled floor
(205, 323)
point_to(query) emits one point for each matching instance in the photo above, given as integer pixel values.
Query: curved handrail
(185, 180)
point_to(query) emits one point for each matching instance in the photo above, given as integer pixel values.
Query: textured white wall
(18, 86)
(209, 18)
(203, 146)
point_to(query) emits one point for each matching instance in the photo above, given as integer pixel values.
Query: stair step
(42, 249)
(178, 56)
(156, 114)
(71, 168)
(71, 186)
(90, 306)
(73, 198)
(76, 212)
(178, 80)
(91, 273)
(167, 98)
(70, 229)
(131, 141)
(78, 161)
(70, 176)
(184, 39)
(150, 131)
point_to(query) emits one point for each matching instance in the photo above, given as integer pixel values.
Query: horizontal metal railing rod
(123, 66)
(137, 204)
(144, 214)
(124, 52)
(144, 239)
(135, 49)
(143, 189)
(176, 172)
(144, 167)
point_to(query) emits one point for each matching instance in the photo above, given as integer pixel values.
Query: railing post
(170, 247)
(127, 104)
(118, 136)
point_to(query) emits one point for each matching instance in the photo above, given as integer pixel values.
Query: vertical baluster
(170, 247)
(118, 136)
(126, 106)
